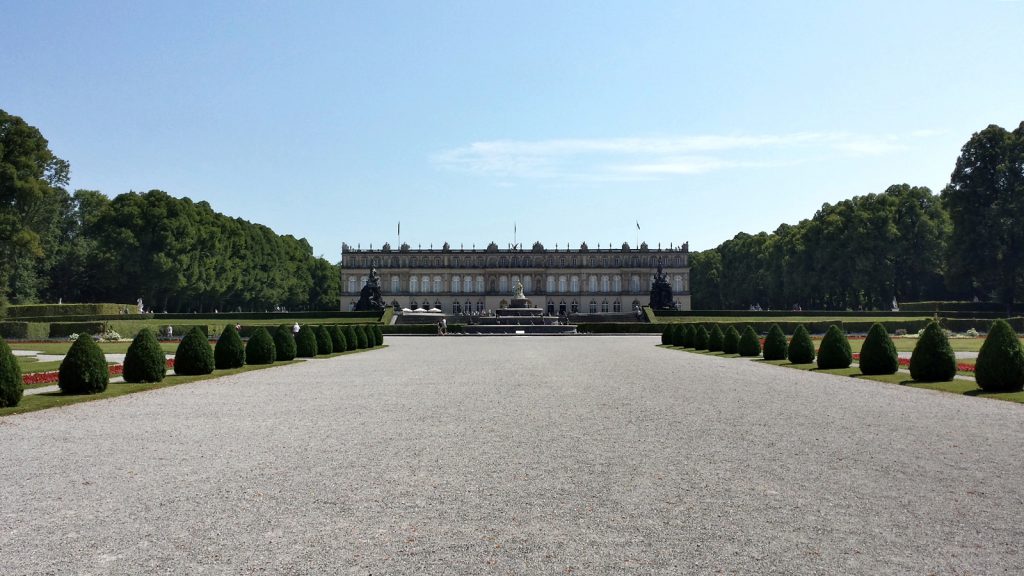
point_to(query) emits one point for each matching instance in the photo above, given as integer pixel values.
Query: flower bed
(54, 376)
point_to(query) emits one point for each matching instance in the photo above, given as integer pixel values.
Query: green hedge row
(619, 328)
(65, 329)
(224, 316)
(420, 328)
(24, 330)
(948, 306)
(787, 313)
(89, 318)
(817, 327)
(22, 311)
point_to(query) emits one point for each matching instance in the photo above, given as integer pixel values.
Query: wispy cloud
(608, 159)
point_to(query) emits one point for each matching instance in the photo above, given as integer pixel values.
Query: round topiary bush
(775, 346)
(933, 359)
(666, 335)
(229, 351)
(145, 360)
(378, 334)
(194, 355)
(750, 344)
(834, 351)
(1000, 364)
(801, 349)
(11, 386)
(715, 338)
(731, 340)
(688, 333)
(324, 344)
(700, 337)
(350, 337)
(338, 341)
(260, 349)
(305, 342)
(364, 342)
(878, 353)
(284, 343)
(84, 369)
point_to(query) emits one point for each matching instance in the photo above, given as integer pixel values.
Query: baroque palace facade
(460, 281)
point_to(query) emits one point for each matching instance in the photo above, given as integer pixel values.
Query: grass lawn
(63, 347)
(30, 365)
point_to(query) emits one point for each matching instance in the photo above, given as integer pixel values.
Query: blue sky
(572, 120)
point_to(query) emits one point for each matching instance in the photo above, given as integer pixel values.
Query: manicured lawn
(62, 347)
(29, 366)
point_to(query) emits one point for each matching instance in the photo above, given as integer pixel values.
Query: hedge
(817, 327)
(37, 310)
(834, 314)
(415, 329)
(612, 328)
(958, 306)
(65, 329)
(13, 330)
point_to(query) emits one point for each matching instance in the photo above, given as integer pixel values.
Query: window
(526, 261)
(479, 306)
(394, 261)
(414, 286)
(605, 284)
(412, 262)
(438, 285)
(437, 261)
(574, 261)
(503, 284)
(562, 284)
(456, 307)
(550, 284)
(634, 283)
(593, 307)
(413, 305)
(551, 308)
(456, 284)
(616, 306)
(574, 284)
(480, 284)
(515, 261)
(503, 262)
(593, 261)
(455, 262)
(575, 307)
(438, 305)
(686, 282)
(616, 283)
(618, 261)
(527, 284)
(592, 283)
(677, 283)
(351, 283)
(604, 306)
(468, 306)
(604, 261)
(561, 261)
(467, 285)
(395, 284)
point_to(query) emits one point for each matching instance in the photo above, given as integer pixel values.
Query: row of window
(471, 285)
(552, 308)
(515, 261)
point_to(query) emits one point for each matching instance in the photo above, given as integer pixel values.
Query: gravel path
(530, 455)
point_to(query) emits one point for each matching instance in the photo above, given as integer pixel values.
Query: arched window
(351, 283)
(593, 307)
(574, 284)
(480, 284)
(425, 283)
(563, 284)
(395, 284)
(616, 306)
(616, 283)
(456, 284)
(503, 284)
(604, 306)
(575, 307)
(634, 283)
(527, 284)
(677, 283)
(592, 283)
(467, 284)
(438, 285)
(414, 285)
(605, 284)
(550, 284)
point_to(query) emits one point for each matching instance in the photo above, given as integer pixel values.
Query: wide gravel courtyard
(517, 455)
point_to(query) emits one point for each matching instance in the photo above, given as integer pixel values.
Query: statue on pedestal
(370, 297)
(517, 291)
(661, 292)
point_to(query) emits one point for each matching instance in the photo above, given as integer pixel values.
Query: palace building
(580, 280)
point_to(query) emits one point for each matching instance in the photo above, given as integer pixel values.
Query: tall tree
(985, 199)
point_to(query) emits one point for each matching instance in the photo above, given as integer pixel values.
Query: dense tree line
(176, 254)
(904, 243)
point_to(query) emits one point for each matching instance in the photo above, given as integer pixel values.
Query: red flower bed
(54, 376)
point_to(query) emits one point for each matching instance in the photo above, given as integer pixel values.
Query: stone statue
(661, 291)
(370, 297)
(517, 291)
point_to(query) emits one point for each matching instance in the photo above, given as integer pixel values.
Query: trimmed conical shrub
(284, 343)
(775, 346)
(364, 342)
(378, 334)
(715, 339)
(260, 349)
(351, 337)
(305, 342)
(878, 354)
(145, 360)
(666, 334)
(324, 344)
(731, 340)
(11, 386)
(84, 369)
(700, 337)
(1000, 364)
(933, 359)
(337, 338)
(194, 354)
(688, 333)
(750, 344)
(801, 348)
(677, 333)
(229, 351)
(834, 351)
(371, 336)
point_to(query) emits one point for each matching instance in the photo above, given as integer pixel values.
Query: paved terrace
(517, 455)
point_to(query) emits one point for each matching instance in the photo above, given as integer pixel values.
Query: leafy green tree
(260, 349)
(775, 346)
(84, 368)
(878, 354)
(11, 386)
(801, 348)
(145, 360)
(194, 355)
(229, 351)
(749, 344)
(731, 340)
(305, 342)
(985, 198)
(835, 350)
(1000, 364)
(324, 344)
(933, 359)
(284, 343)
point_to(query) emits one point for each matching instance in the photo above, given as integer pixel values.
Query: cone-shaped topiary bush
(775, 346)
(715, 338)
(229, 351)
(364, 342)
(11, 387)
(700, 337)
(688, 333)
(878, 353)
(378, 334)
(371, 336)
(260, 349)
(731, 340)
(284, 343)
(933, 359)
(801, 349)
(835, 350)
(324, 344)
(194, 354)
(350, 337)
(305, 342)
(1000, 365)
(145, 360)
(337, 338)
(676, 334)
(750, 344)
(666, 334)
(84, 369)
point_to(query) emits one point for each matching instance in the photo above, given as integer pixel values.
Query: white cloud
(626, 159)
